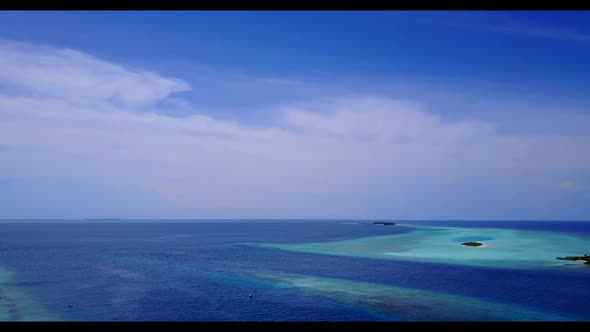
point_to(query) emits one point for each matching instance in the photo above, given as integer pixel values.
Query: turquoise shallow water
(408, 304)
(476, 238)
(16, 304)
(506, 248)
(297, 271)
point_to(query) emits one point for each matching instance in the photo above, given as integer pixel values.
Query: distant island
(384, 223)
(472, 244)
(584, 258)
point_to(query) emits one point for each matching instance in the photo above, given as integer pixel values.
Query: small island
(384, 223)
(585, 258)
(472, 244)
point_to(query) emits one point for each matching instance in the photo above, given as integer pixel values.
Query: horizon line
(283, 219)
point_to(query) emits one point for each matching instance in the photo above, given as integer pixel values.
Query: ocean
(292, 270)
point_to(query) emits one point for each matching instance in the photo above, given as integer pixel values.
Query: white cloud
(73, 116)
(52, 72)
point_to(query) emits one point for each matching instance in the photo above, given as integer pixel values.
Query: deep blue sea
(207, 270)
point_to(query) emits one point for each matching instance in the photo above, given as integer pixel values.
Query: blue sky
(326, 114)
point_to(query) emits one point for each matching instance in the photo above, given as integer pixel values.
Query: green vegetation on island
(584, 258)
(472, 244)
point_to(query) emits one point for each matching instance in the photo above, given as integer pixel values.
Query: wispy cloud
(75, 76)
(72, 116)
(525, 31)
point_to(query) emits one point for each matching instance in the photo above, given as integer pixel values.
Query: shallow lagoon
(505, 248)
(408, 304)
